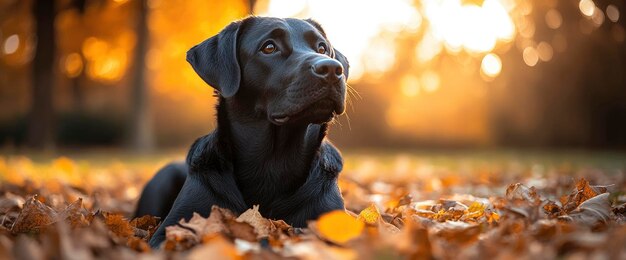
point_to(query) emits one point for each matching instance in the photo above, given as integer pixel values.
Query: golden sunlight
(353, 32)
(410, 85)
(471, 27)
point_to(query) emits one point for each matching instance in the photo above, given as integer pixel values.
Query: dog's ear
(216, 60)
(335, 53)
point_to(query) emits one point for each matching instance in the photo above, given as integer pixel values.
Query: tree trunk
(41, 129)
(141, 132)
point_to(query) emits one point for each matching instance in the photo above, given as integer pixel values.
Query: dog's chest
(264, 186)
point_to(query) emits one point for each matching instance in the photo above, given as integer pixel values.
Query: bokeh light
(430, 81)
(491, 65)
(587, 7)
(530, 55)
(410, 85)
(73, 65)
(11, 44)
(554, 19)
(612, 13)
(544, 51)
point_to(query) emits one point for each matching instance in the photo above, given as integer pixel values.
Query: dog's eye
(321, 48)
(268, 48)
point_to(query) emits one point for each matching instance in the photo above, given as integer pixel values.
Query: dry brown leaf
(118, 225)
(581, 193)
(202, 227)
(457, 231)
(594, 212)
(34, 216)
(262, 226)
(519, 192)
(241, 230)
(74, 214)
(147, 223)
(11, 202)
(178, 238)
(552, 209)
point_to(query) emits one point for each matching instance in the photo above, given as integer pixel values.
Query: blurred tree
(41, 118)
(141, 133)
(77, 82)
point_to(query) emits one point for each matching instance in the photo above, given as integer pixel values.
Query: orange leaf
(339, 227)
(118, 225)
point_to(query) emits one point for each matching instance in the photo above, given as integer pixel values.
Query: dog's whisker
(350, 103)
(353, 91)
(348, 119)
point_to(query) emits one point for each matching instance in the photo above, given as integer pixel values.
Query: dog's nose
(328, 69)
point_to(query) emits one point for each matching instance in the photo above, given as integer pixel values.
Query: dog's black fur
(269, 148)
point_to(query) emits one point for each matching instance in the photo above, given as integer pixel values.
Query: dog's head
(286, 69)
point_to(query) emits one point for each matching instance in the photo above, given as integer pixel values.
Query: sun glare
(476, 29)
(353, 26)
(364, 30)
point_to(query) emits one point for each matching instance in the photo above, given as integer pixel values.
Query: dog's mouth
(321, 111)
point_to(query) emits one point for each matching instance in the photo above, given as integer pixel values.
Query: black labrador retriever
(280, 83)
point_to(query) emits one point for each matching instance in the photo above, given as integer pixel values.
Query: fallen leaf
(34, 216)
(74, 214)
(475, 210)
(118, 225)
(581, 193)
(339, 227)
(147, 223)
(552, 209)
(216, 248)
(10, 201)
(178, 238)
(138, 244)
(241, 230)
(457, 231)
(262, 226)
(520, 192)
(594, 212)
(202, 227)
(370, 215)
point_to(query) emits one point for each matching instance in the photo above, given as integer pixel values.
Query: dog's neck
(264, 152)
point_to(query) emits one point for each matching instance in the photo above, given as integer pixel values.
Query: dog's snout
(328, 69)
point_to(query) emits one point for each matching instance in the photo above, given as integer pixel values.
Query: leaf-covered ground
(424, 206)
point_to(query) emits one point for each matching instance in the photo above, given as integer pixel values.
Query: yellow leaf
(339, 227)
(475, 210)
(370, 214)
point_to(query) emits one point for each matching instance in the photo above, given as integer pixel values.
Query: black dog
(279, 82)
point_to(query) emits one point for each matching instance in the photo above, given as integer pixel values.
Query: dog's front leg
(193, 197)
